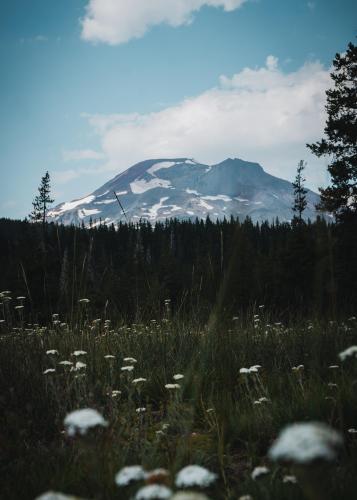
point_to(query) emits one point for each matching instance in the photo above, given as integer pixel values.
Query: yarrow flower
(52, 351)
(289, 479)
(130, 360)
(259, 471)
(348, 353)
(128, 474)
(138, 380)
(115, 393)
(178, 376)
(80, 421)
(172, 387)
(195, 475)
(109, 356)
(49, 370)
(78, 366)
(84, 301)
(54, 495)
(297, 368)
(304, 443)
(140, 410)
(79, 353)
(65, 363)
(127, 368)
(157, 491)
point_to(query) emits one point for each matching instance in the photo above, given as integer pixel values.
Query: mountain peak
(162, 188)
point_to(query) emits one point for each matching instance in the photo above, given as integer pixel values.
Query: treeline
(227, 267)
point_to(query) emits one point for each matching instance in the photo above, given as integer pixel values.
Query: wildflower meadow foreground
(241, 408)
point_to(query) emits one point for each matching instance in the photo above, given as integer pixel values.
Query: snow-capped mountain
(156, 190)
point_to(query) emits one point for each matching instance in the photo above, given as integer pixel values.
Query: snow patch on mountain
(140, 186)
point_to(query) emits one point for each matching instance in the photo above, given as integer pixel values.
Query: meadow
(172, 392)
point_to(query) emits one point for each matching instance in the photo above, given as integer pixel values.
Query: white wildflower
(130, 360)
(79, 353)
(189, 495)
(334, 367)
(140, 410)
(178, 376)
(19, 307)
(84, 301)
(82, 420)
(352, 431)
(259, 471)
(157, 491)
(128, 474)
(195, 475)
(54, 495)
(138, 380)
(245, 497)
(78, 366)
(244, 370)
(49, 370)
(305, 442)
(52, 351)
(65, 363)
(109, 356)
(127, 368)
(173, 387)
(115, 393)
(290, 479)
(349, 352)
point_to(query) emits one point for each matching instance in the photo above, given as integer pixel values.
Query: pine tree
(299, 193)
(340, 143)
(42, 201)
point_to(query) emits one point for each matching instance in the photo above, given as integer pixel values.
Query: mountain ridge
(182, 188)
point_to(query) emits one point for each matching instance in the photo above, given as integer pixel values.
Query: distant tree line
(231, 266)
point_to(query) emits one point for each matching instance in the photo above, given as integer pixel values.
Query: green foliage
(300, 192)
(212, 419)
(42, 200)
(340, 144)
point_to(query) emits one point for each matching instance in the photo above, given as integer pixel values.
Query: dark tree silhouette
(340, 143)
(42, 200)
(299, 193)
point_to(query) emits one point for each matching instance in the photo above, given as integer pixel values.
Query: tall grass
(219, 418)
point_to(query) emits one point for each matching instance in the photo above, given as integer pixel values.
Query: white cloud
(260, 114)
(117, 21)
(82, 154)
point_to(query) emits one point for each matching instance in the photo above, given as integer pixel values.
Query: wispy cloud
(261, 114)
(117, 21)
(82, 154)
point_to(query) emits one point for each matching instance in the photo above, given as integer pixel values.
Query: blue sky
(85, 95)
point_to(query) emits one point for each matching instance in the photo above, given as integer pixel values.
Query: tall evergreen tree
(340, 143)
(299, 192)
(42, 200)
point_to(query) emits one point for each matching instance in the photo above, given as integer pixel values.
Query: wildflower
(259, 471)
(54, 495)
(128, 474)
(140, 410)
(264, 400)
(298, 368)
(130, 360)
(332, 385)
(109, 356)
(52, 351)
(20, 298)
(127, 368)
(245, 497)
(79, 353)
(49, 370)
(257, 402)
(65, 363)
(160, 433)
(195, 475)
(244, 370)
(78, 366)
(19, 307)
(289, 479)
(83, 420)
(172, 386)
(349, 352)
(210, 410)
(164, 427)
(334, 367)
(178, 376)
(305, 442)
(84, 301)
(189, 495)
(115, 393)
(352, 431)
(235, 318)
(138, 380)
(153, 491)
